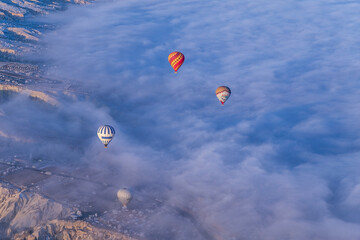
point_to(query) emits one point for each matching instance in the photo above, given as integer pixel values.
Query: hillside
(19, 31)
(28, 215)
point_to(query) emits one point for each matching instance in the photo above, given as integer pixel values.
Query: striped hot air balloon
(176, 59)
(223, 93)
(106, 134)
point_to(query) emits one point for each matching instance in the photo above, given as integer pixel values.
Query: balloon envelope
(106, 133)
(124, 196)
(176, 59)
(223, 93)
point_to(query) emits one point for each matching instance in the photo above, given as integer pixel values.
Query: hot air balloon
(223, 93)
(176, 59)
(124, 196)
(106, 134)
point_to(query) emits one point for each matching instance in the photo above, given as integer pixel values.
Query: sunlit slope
(35, 94)
(22, 209)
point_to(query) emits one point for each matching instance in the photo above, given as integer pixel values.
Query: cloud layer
(278, 161)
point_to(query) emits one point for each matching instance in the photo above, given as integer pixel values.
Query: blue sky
(279, 161)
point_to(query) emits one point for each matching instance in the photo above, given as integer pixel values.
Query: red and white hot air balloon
(223, 93)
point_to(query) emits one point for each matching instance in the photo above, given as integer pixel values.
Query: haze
(279, 160)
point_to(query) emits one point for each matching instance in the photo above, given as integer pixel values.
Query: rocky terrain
(27, 215)
(67, 230)
(19, 32)
(39, 201)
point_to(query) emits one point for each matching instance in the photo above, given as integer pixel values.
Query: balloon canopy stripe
(178, 64)
(222, 88)
(174, 56)
(222, 92)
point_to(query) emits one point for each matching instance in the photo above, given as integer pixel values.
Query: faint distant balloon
(106, 134)
(176, 59)
(124, 196)
(223, 93)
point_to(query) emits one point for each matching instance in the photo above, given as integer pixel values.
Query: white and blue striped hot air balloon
(106, 133)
